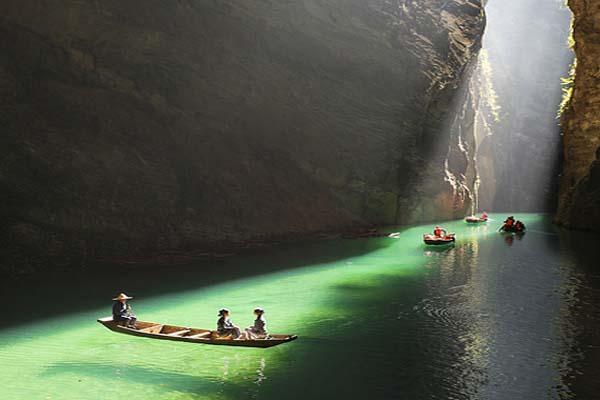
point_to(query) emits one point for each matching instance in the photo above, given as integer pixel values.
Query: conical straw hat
(123, 296)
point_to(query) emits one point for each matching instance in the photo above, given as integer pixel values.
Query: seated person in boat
(439, 232)
(258, 330)
(225, 327)
(122, 311)
(508, 224)
(519, 226)
(484, 216)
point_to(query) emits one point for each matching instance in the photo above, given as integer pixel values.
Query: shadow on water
(40, 298)
(123, 376)
(581, 359)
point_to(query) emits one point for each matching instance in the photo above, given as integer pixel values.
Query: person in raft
(508, 224)
(225, 327)
(259, 329)
(519, 226)
(484, 216)
(122, 311)
(439, 232)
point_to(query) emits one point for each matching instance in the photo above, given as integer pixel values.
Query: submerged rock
(131, 128)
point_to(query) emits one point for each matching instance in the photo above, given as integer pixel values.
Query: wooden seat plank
(199, 335)
(179, 333)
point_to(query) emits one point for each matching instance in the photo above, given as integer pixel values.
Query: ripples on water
(489, 318)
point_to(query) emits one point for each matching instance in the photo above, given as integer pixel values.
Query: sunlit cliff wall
(132, 128)
(579, 202)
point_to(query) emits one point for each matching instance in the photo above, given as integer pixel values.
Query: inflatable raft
(432, 240)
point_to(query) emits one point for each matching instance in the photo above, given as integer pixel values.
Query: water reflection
(578, 360)
(432, 250)
(260, 371)
(509, 239)
(453, 305)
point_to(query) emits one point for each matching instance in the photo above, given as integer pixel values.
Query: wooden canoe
(153, 330)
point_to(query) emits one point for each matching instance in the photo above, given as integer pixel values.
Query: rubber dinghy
(432, 240)
(516, 231)
(475, 220)
(153, 330)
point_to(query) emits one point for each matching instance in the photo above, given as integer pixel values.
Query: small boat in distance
(433, 240)
(475, 220)
(153, 330)
(512, 226)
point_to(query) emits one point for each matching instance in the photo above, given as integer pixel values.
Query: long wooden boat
(153, 330)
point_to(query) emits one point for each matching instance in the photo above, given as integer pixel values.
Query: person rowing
(122, 311)
(225, 327)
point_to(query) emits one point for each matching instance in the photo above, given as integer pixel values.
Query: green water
(494, 317)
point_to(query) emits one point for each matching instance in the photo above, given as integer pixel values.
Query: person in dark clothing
(259, 329)
(122, 311)
(225, 327)
(508, 224)
(519, 226)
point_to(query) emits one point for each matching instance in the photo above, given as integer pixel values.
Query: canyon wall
(579, 201)
(136, 128)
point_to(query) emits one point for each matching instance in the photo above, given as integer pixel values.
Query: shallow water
(494, 317)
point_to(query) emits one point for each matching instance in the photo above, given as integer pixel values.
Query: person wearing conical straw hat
(122, 311)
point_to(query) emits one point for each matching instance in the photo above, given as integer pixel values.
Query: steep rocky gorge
(579, 201)
(524, 56)
(131, 129)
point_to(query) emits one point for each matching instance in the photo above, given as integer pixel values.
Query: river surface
(494, 317)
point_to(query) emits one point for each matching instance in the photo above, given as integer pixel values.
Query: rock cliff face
(132, 128)
(579, 202)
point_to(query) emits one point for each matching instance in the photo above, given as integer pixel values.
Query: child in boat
(122, 311)
(225, 327)
(258, 330)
